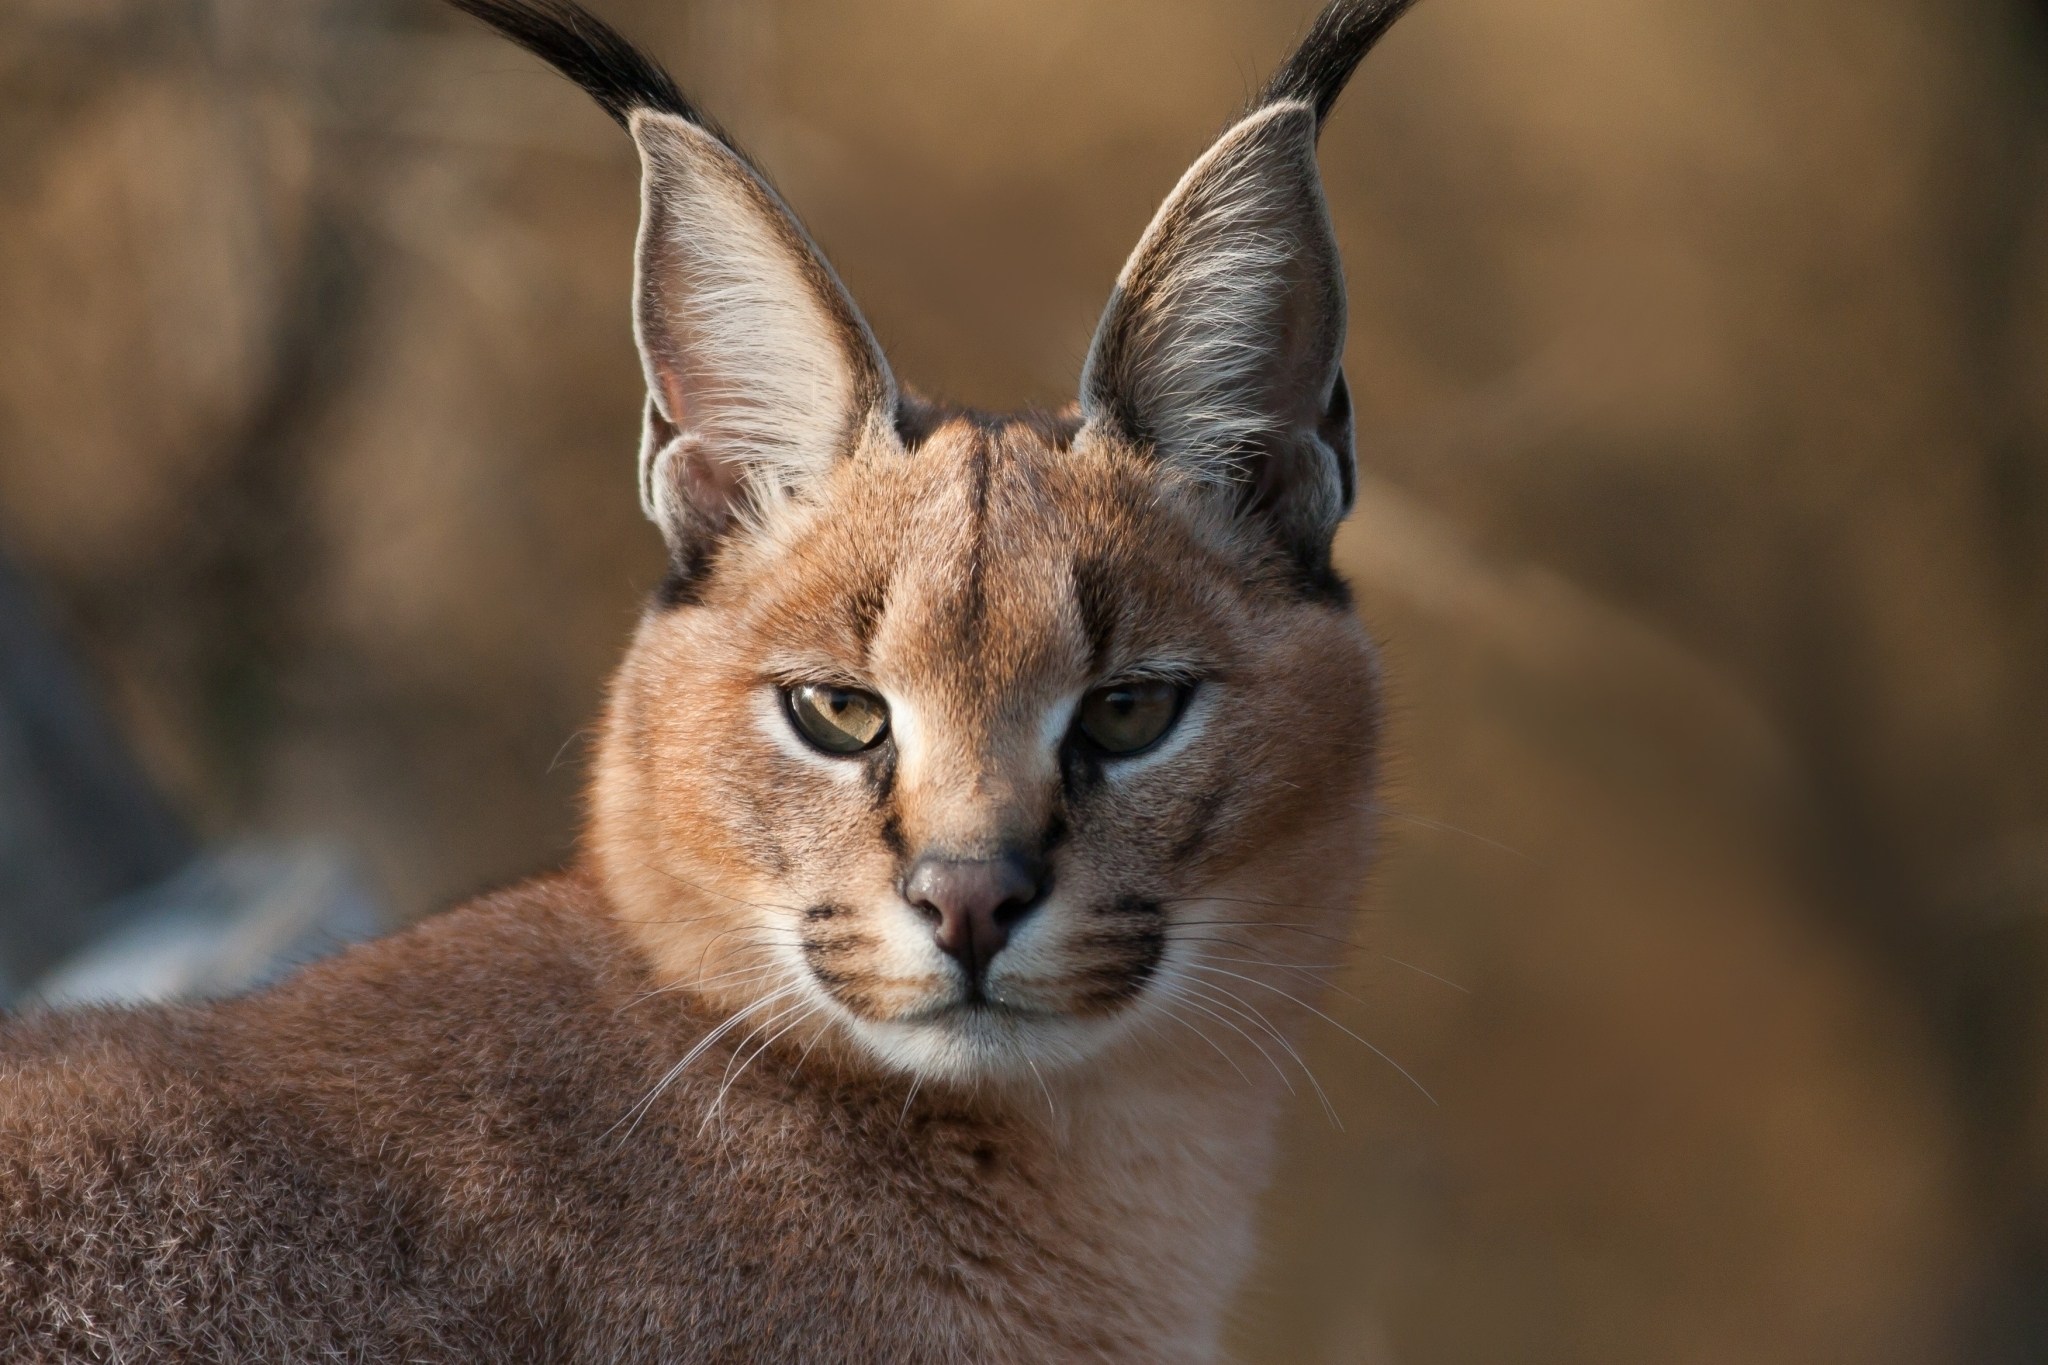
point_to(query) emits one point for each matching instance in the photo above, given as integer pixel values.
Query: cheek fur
(878, 962)
(979, 750)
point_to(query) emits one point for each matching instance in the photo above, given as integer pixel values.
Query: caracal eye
(1126, 717)
(839, 720)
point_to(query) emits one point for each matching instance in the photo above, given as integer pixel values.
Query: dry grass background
(1700, 353)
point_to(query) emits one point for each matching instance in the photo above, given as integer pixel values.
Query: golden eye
(1127, 717)
(839, 720)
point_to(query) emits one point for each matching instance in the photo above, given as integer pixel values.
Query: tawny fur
(716, 1093)
(433, 1146)
(414, 1153)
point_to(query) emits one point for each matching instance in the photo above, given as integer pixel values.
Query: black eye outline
(825, 737)
(1183, 693)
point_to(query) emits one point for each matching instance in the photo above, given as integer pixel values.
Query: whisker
(1266, 904)
(750, 972)
(640, 1110)
(1180, 993)
(1314, 975)
(1310, 974)
(1050, 1108)
(1253, 947)
(805, 1055)
(915, 1082)
(1239, 1005)
(709, 891)
(1424, 971)
(1301, 929)
(584, 732)
(1443, 827)
(711, 942)
(802, 1011)
(1232, 1061)
(1267, 985)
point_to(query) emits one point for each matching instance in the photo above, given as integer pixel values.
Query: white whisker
(1267, 985)
(1245, 1009)
(640, 1110)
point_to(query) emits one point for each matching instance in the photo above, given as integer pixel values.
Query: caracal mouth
(978, 1008)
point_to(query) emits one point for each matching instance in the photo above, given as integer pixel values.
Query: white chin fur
(967, 1046)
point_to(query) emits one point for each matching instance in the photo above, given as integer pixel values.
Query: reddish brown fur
(415, 1152)
(720, 1094)
(427, 1148)
(756, 834)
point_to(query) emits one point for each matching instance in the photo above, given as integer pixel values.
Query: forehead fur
(994, 549)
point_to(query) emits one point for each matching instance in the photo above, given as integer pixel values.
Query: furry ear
(1221, 348)
(760, 372)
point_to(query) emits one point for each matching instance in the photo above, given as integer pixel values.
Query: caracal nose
(973, 903)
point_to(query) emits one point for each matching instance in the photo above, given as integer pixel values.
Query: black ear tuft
(1336, 43)
(590, 52)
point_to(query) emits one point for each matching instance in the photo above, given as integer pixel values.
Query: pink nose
(973, 903)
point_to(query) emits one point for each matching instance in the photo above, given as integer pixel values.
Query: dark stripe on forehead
(683, 583)
(865, 608)
(974, 601)
(1095, 603)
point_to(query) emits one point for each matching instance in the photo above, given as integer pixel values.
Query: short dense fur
(415, 1153)
(718, 1094)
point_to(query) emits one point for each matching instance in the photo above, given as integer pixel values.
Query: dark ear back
(760, 370)
(1221, 348)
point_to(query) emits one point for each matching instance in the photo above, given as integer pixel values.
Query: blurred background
(1701, 356)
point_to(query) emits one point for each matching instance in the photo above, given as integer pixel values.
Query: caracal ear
(760, 371)
(1221, 350)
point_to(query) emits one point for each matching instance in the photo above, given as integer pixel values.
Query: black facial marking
(684, 581)
(880, 777)
(828, 977)
(1080, 769)
(1138, 907)
(1207, 807)
(974, 600)
(823, 912)
(879, 773)
(1316, 579)
(867, 607)
(1095, 600)
(1139, 939)
(892, 837)
(819, 949)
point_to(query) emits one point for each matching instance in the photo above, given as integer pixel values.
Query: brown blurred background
(1700, 353)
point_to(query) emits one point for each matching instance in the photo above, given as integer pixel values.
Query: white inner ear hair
(1211, 282)
(743, 357)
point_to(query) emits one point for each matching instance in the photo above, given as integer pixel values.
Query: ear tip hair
(584, 48)
(1341, 35)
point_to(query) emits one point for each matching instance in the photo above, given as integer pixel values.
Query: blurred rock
(232, 921)
(79, 823)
